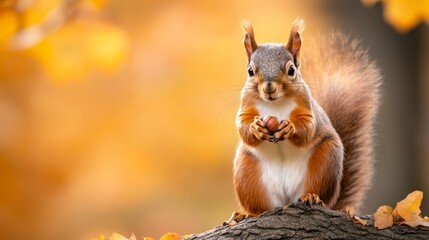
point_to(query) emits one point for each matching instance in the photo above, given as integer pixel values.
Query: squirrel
(322, 151)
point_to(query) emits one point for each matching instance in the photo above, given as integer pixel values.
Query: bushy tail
(346, 84)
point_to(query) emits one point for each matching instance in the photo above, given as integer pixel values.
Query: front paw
(310, 199)
(285, 130)
(259, 130)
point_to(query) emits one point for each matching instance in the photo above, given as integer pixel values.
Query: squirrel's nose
(268, 88)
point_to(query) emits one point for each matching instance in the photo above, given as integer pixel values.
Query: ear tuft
(298, 25)
(295, 40)
(249, 38)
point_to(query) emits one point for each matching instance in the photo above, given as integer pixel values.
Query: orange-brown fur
(345, 82)
(252, 195)
(335, 109)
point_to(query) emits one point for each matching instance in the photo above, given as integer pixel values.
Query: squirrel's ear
(294, 43)
(249, 39)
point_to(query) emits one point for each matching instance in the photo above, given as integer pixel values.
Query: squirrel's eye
(250, 71)
(291, 71)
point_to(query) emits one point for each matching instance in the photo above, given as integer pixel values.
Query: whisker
(221, 118)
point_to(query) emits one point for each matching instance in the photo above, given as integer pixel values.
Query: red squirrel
(323, 146)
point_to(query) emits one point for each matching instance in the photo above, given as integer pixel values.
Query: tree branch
(300, 221)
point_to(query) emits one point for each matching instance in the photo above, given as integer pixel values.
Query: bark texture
(300, 221)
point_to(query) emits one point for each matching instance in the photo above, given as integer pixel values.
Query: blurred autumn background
(118, 116)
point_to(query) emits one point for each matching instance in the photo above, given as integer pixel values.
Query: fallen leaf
(187, 236)
(133, 237)
(101, 237)
(383, 217)
(117, 236)
(416, 223)
(351, 211)
(396, 217)
(148, 238)
(171, 236)
(409, 208)
(360, 220)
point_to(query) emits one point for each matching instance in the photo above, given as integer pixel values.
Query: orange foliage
(406, 212)
(404, 15)
(79, 46)
(68, 39)
(119, 115)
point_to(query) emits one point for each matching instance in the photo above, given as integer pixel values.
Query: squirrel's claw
(259, 130)
(310, 199)
(235, 218)
(285, 130)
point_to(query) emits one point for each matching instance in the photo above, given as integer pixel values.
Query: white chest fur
(283, 165)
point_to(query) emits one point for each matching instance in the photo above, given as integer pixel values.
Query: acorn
(272, 123)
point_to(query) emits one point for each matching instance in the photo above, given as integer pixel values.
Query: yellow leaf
(133, 237)
(419, 222)
(383, 217)
(37, 11)
(62, 53)
(148, 238)
(107, 45)
(98, 3)
(8, 23)
(187, 236)
(117, 236)
(101, 237)
(78, 46)
(170, 236)
(403, 15)
(360, 220)
(351, 212)
(409, 208)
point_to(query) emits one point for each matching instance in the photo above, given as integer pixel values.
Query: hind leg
(249, 189)
(324, 174)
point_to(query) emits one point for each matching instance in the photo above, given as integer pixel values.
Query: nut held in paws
(272, 123)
